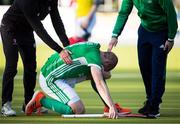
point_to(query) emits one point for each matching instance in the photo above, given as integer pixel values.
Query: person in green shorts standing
(57, 79)
(155, 40)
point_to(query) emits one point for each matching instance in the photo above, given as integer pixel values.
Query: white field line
(118, 75)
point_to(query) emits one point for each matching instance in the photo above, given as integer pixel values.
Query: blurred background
(126, 84)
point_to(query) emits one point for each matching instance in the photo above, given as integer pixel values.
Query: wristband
(170, 40)
(114, 36)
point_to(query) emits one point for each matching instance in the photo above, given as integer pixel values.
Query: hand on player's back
(65, 55)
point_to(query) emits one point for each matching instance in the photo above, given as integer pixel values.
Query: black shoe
(153, 112)
(144, 110)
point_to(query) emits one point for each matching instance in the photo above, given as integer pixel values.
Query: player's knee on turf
(78, 107)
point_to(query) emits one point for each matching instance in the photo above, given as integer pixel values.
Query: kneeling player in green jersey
(57, 79)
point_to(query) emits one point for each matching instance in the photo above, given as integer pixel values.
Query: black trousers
(152, 63)
(13, 44)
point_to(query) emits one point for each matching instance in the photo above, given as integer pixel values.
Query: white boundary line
(84, 116)
(102, 115)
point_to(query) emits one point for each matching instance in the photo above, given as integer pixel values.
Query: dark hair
(112, 61)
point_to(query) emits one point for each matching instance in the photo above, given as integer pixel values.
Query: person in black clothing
(17, 26)
(6, 2)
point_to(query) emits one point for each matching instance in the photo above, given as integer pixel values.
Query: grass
(127, 57)
(126, 87)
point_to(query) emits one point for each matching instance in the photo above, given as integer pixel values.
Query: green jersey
(83, 56)
(155, 15)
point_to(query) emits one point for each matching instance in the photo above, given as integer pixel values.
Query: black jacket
(26, 16)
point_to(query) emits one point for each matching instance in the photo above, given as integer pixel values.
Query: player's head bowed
(109, 60)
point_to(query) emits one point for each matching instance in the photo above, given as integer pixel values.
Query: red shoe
(119, 109)
(74, 40)
(34, 103)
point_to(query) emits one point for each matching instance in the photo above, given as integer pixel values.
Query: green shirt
(83, 56)
(155, 15)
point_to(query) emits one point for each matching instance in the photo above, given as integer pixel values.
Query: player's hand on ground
(112, 44)
(65, 55)
(168, 46)
(113, 114)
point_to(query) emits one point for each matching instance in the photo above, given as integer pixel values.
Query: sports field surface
(126, 87)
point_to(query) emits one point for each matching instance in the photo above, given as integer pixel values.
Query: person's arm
(58, 24)
(106, 75)
(103, 90)
(121, 20)
(60, 31)
(169, 9)
(29, 9)
(93, 85)
(122, 17)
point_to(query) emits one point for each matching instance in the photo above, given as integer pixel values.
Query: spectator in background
(177, 5)
(155, 40)
(17, 26)
(85, 19)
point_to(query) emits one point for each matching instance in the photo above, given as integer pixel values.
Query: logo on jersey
(82, 60)
(162, 46)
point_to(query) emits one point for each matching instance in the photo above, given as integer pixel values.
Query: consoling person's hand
(65, 55)
(112, 44)
(168, 46)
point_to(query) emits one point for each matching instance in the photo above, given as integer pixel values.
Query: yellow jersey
(83, 7)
